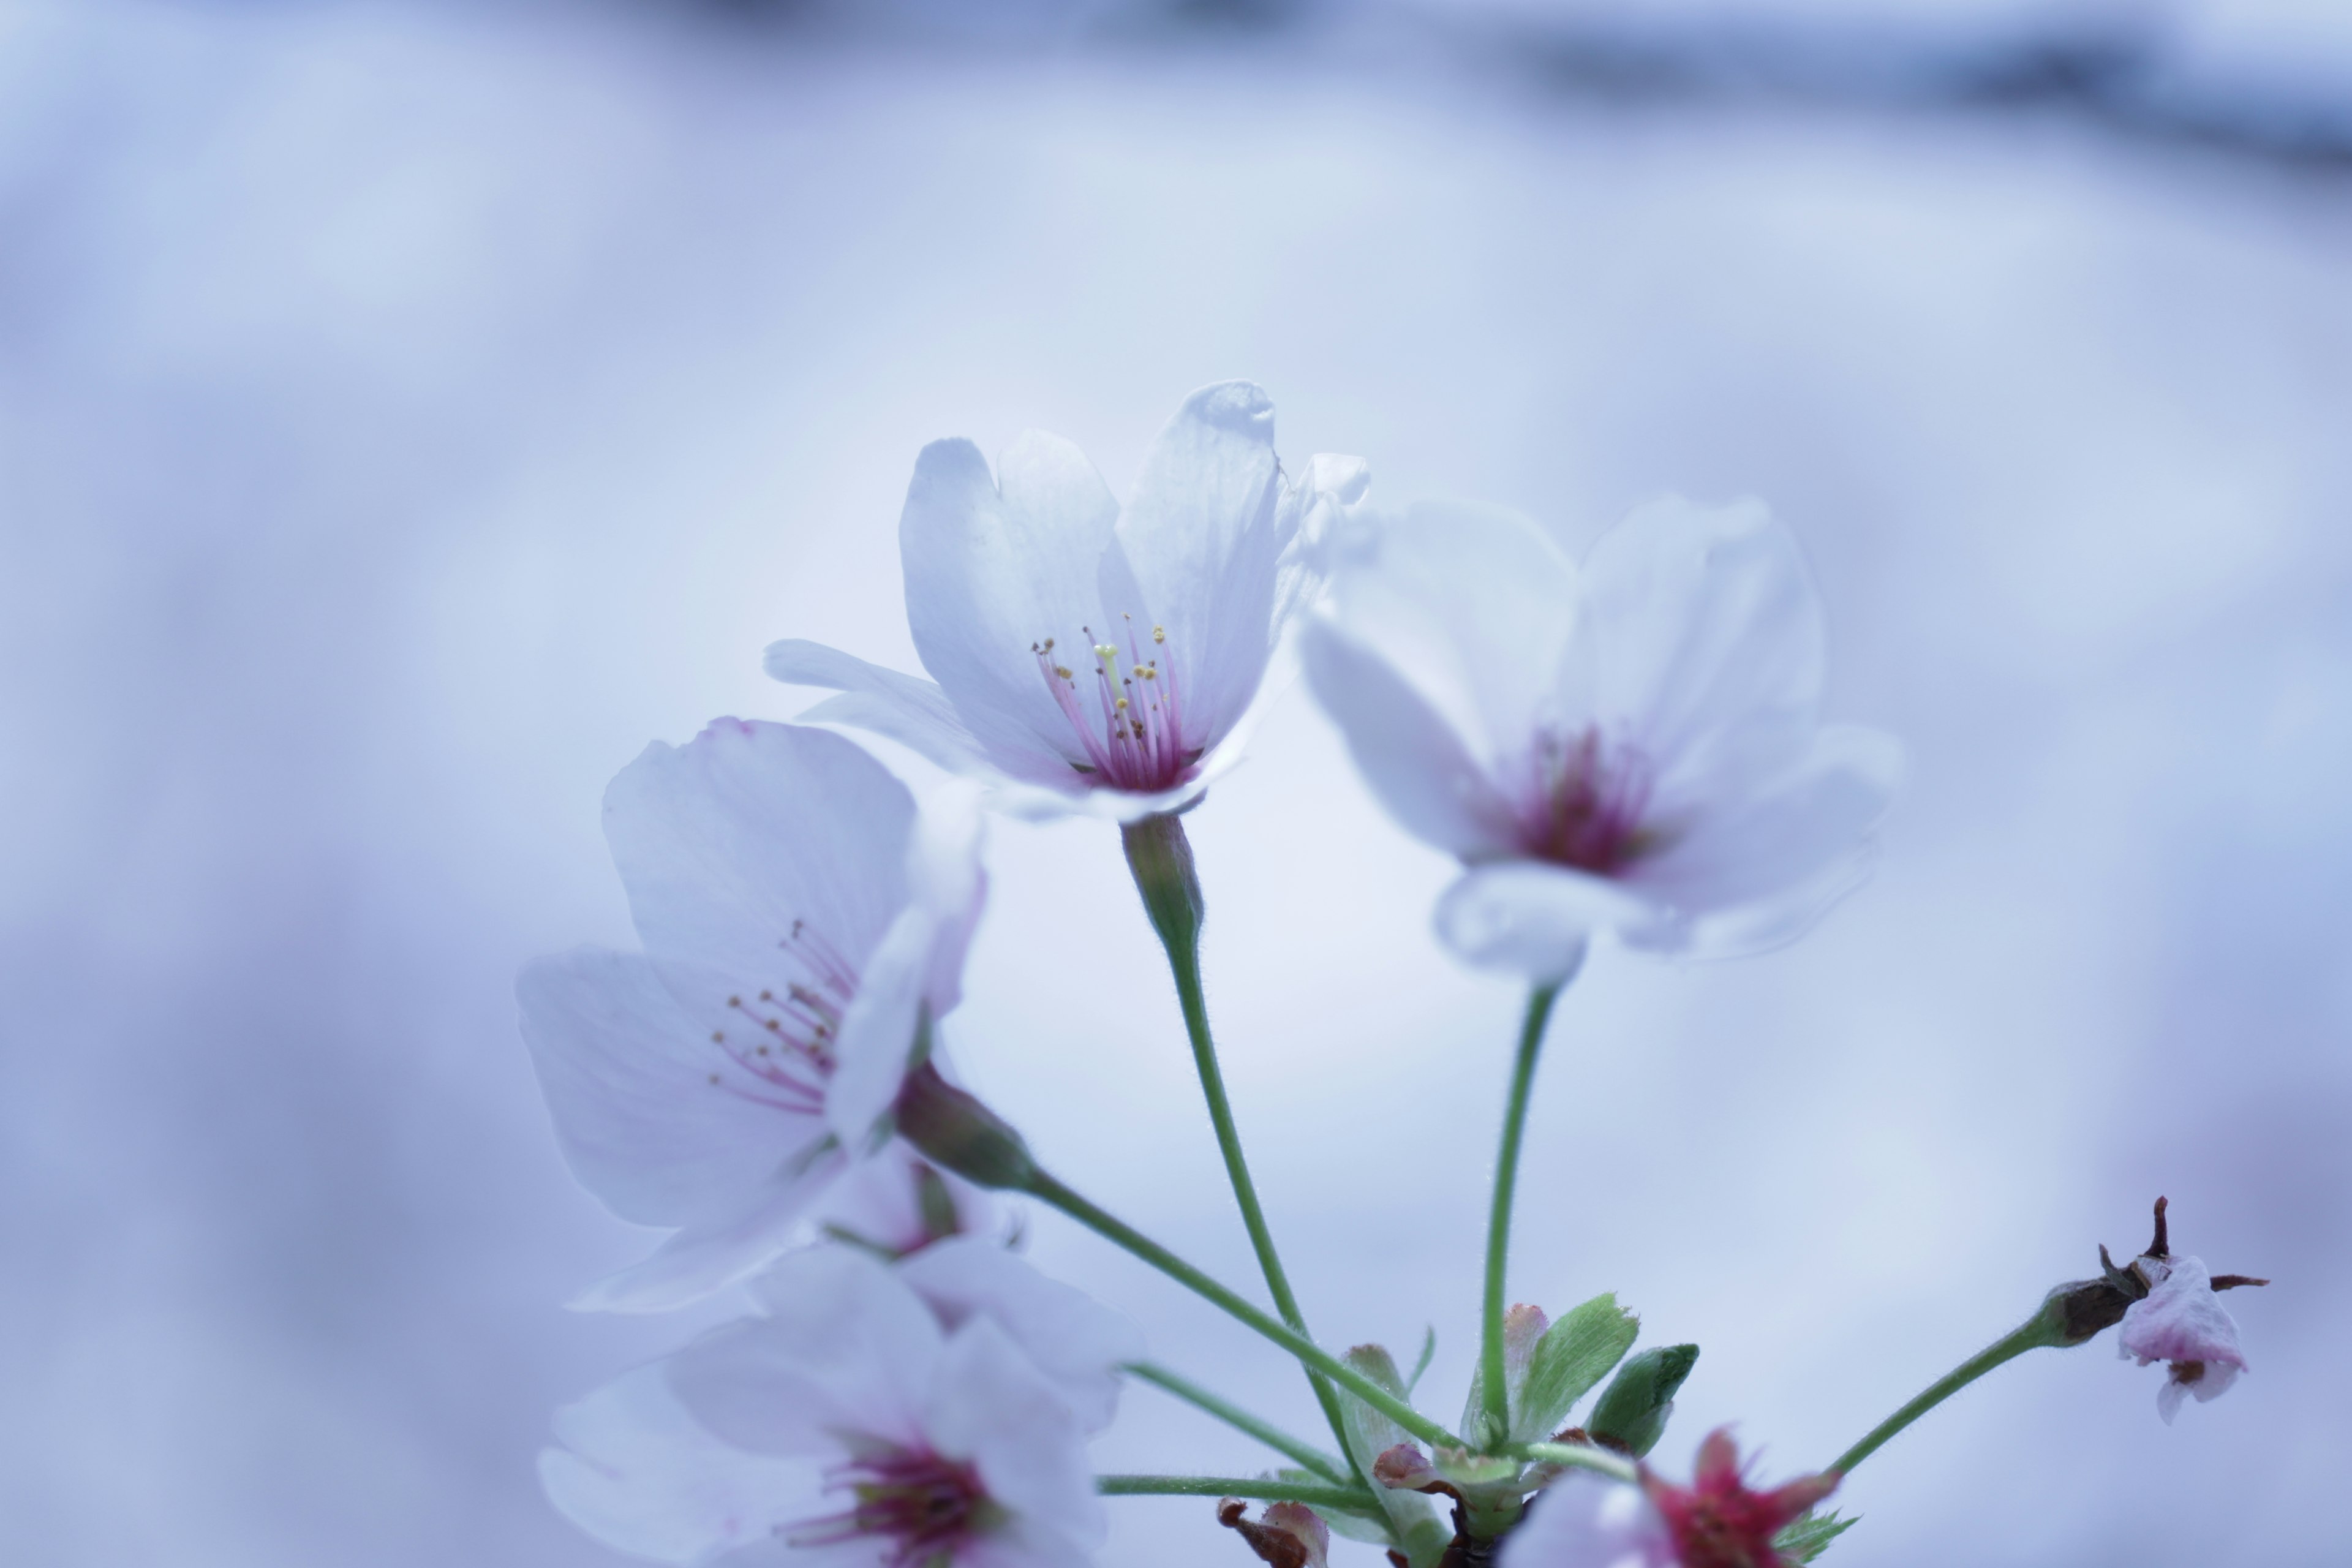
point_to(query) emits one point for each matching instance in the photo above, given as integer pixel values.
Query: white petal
(1075, 1340)
(1701, 644)
(1530, 919)
(1413, 759)
(995, 567)
(847, 1348)
(1203, 537)
(627, 1079)
(914, 713)
(726, 843)
(1475, 606)
(1328, 492)
(1749, 874)
(1584, 1522)
(703, 1260)
(877, 1036)
(995, 1410)
(637, 1472)
(1024, 1542)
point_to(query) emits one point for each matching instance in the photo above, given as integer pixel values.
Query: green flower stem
(1160, 857)
(1045, 1189)
(2046, 1327)
(1578, 1455)
(1265, 1432)
(1496, 1392)
(1347, 1500)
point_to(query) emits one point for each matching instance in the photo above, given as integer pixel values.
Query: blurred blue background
(407, 410)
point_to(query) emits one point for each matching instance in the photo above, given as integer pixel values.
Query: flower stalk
(1494, 1385)
(1160, 857)
(2048, 1327)
(1255, 1490)
(1305, 1453)
(1046, 1190)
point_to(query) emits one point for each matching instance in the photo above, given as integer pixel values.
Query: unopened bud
(956, 1132)
(1632, 1412)
(1162, 859)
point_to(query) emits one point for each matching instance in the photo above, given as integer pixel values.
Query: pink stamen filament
(785, 1052)
(1587, 807)
(923, 1503)
(1136, 742)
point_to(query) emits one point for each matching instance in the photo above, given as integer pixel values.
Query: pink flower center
(1134, 738)
(782, 1054)
(924, 1506)
(1584, 803)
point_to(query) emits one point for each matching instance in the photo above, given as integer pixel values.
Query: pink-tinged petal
(1203, 538)
(759, 857)
(1584, 1522)
(638, 1472)
(993, 1408)
(1075, 1342)
(1474, 606)
(914, 713)
(703, 1260)
(627, 1077)
(2181, 1322)
(994, 567)
(1414, 757)
(1750, 873)
(1533, 919)
(1701, 645)
(846, 1350)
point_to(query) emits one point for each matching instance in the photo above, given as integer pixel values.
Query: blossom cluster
(1628, 745)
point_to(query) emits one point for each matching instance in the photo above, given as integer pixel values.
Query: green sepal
(1632, 1412)
(1808, 1536)
(1412, 1517)
(1574, 1353)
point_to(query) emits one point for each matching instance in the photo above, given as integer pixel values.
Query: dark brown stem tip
(2232, 1281)
(2160, 1246)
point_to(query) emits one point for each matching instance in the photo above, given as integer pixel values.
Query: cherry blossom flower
(2182, 1320)
(847, 1428)
(1633, 744)
(1716, 1522)
(800, 921)
(1088, 658)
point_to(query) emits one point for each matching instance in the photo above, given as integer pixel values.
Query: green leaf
(1810, 1535)
(1428, 1349)
(1634, 1410)
(1574, 1353)
(1372, 1434)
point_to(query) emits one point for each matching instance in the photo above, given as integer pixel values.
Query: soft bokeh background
(408, 410)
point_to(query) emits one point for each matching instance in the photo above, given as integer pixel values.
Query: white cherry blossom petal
(990, 1406)
(994, 565)
(1584, 1522)
(1701, 644)
(1532, 919)
(1410, 755)
(627, 1075)
(1077, 1342)
(1475, 608)
(759, 856)
(701, 1260)
(638, 1472)
(1202, 539)
(845, 1346)
(904, 708)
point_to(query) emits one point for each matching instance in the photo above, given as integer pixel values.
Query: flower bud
(1632, 1412)
(956, 1132)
